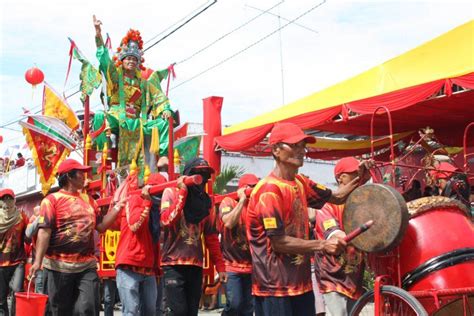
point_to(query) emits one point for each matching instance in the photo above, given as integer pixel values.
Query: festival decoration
(55, 106)
(50, 142)
(34, 76)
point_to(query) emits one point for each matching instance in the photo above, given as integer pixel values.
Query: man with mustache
(278, 228)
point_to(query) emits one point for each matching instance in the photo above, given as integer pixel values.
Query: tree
(228, 172)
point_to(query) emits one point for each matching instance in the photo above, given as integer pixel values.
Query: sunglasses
(7, 198)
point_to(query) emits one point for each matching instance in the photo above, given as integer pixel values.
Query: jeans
(182, 289)
(300, 305)
(110, 289)
(160, 290)
(39, 283)
(73, 293)
(11, 277)
(137, 292)
(238, 291)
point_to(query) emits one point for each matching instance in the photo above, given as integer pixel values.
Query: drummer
(339, 277)
(451, 182)
(277, 227)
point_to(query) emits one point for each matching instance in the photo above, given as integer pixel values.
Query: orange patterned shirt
(72, 218)
(234, 243)
(344, 273)
(279, 207)
(12, 251)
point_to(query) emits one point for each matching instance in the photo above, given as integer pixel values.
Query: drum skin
(438, 230)
(386, 207)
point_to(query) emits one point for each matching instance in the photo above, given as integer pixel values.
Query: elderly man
(13, 223)
(66, 242)
(339, 277)
(278, 228)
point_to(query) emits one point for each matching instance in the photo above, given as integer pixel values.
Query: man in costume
(136, 106)
(339, 277)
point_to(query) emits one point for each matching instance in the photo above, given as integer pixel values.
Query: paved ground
(208, 313)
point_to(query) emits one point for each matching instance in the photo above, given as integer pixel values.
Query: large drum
(437, 251)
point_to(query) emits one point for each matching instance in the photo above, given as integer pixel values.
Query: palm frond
(228, 172)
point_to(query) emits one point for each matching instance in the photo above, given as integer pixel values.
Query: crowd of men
(263, 256)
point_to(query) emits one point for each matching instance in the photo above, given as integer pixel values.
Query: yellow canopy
(447, 56)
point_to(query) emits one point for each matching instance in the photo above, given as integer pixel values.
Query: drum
(386, 207)
(437, 251)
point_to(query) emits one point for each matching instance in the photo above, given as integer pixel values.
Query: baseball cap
(289, 133)
(444, 170)
(71, 164)
(197, 164)
(346, 165)
(4, 192)
(248, 179)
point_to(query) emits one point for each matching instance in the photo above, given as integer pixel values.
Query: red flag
(180, 131)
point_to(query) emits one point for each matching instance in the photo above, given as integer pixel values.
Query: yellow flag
(56, 106)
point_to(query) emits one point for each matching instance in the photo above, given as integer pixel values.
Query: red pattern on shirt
(234, 243)
(182, 243)
(12, 250)
(72, 218)
(282, 205)
(344, 273)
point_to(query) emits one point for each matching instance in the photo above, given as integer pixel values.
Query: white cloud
(353, 36)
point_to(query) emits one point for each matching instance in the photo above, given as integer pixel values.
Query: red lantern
(34, 76)
(147, 73)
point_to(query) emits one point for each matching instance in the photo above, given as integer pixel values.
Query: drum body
(437, 250)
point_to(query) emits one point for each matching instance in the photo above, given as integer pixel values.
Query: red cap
(71, 164)
(156, 178)
(444, 170)
(4, 192)
(346, 165)
(289, 133)
(248, 179)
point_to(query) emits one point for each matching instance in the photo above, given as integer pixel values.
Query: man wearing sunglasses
(13, 224)
(278, 228)
(236, 252)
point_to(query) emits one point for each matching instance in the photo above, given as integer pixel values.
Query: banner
(50, 142)
(188, 147)
(56, 106)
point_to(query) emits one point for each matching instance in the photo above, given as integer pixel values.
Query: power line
(172, 25)
(228, 33)
(248, 47)
(280, 17)
(183, 24)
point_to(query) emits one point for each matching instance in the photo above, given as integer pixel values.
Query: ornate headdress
(131, 45)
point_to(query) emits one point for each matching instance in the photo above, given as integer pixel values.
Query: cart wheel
(395, 301)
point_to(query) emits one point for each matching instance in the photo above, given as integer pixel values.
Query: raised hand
(97, 24)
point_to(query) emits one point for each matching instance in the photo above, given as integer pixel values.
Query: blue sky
(348, 37)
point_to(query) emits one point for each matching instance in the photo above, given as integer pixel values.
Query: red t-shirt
(279, 207)
(12, 250)
(135, 247)
(72, 218)
(182, 241)
(344, 273)
(234, 243)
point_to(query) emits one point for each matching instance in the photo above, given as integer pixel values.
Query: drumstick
(356, 232)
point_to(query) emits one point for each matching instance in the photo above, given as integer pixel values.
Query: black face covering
(198, 201)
